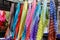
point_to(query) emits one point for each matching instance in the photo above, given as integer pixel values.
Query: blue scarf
(13, 26)
(34, 24)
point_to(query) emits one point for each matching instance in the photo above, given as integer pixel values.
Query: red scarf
(18, 23)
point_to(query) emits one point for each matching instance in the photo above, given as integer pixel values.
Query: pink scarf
(2, 16)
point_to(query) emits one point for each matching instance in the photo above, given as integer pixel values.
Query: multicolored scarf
(52, 27)
(42, 21)
(34, 23)
(15, 20)
(23, 18)
(26, 22)
(30, 20)
(18, 23)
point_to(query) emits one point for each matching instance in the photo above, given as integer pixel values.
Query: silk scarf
(23, 18)
(51, 34)
(30, 20)
(42, 21)
(15, 20)
(18, 23)
(27, 18)
(35, 21)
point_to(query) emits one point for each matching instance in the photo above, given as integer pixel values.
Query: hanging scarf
(18, 23)
(42, 21)
(34, 23)
(26, 22)
(55, 17)
(24, 13)
(15, 20)
(30, 20)
(52, 30)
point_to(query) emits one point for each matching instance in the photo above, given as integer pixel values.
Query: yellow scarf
(24, 13)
